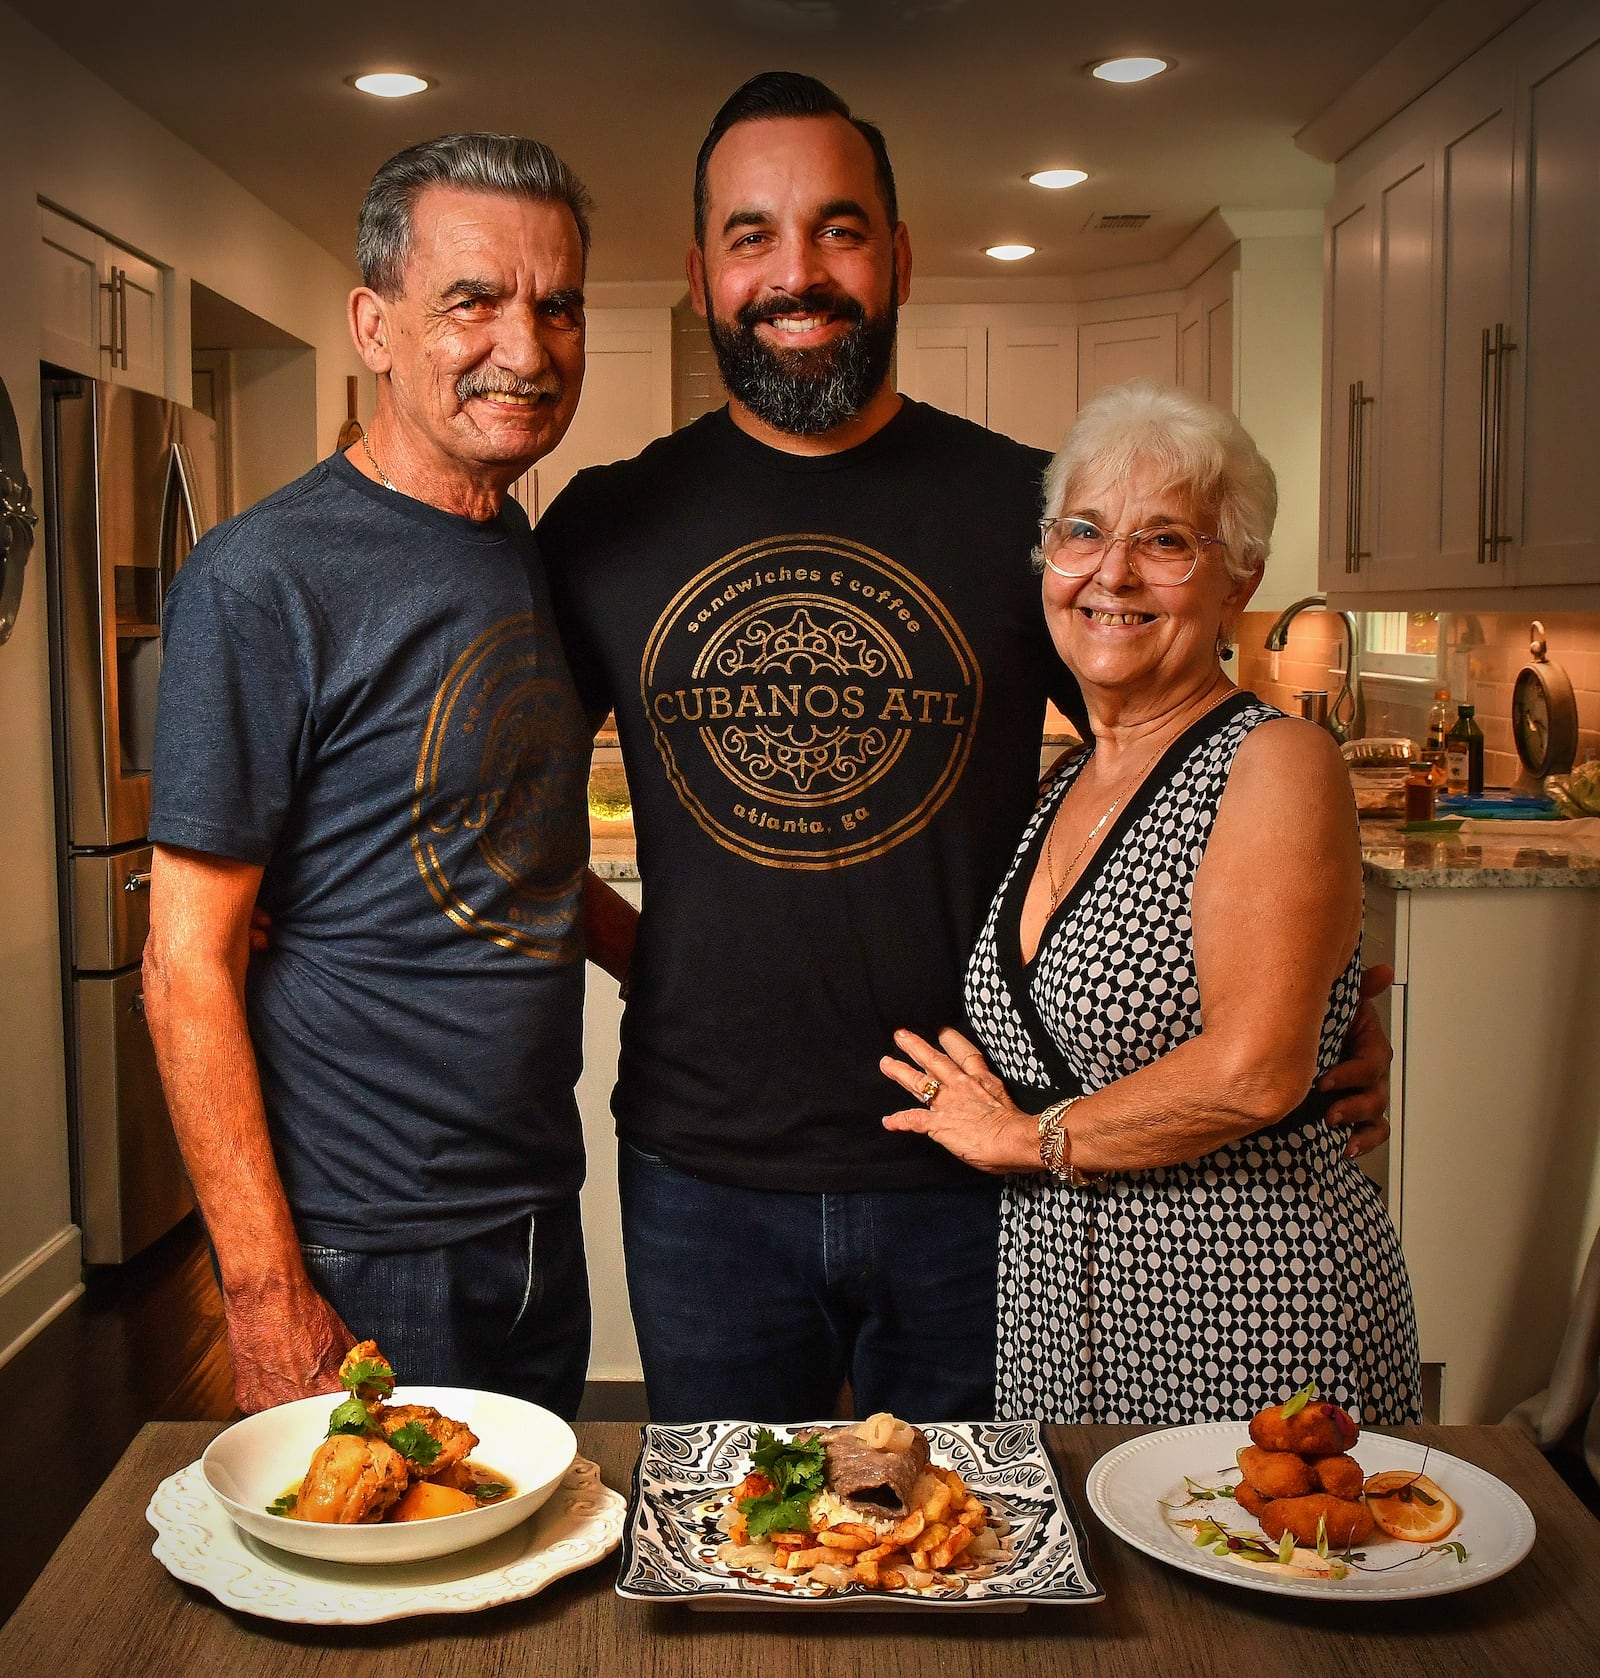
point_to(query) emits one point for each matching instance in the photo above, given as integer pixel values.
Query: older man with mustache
(367, 723)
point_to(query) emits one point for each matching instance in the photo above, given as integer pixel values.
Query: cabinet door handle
(1502, 348)
(116, 313)
(1359, 403)
(122, 316)
(1485, 444)
(1352, 451)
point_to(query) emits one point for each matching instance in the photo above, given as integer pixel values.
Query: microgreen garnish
(1293, 1406)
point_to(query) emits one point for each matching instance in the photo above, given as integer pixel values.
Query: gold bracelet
(1055, 1145)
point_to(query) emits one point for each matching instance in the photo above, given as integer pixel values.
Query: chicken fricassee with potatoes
(388, 1462)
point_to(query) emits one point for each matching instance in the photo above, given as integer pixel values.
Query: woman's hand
(970, 1113)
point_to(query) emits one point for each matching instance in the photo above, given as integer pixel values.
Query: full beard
(805, 392)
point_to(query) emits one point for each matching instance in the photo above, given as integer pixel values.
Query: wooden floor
(145, 1342)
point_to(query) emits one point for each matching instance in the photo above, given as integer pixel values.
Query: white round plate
(258, 1459)
(1129, 1485)
(197, 1542)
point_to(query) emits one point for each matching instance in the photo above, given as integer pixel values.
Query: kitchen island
(1493, 1167)
(105, 1608)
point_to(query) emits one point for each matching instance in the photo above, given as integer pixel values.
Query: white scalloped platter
(1136, 1488)
(197, 1542)
(685, 1476)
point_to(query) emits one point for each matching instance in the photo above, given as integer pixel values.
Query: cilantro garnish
(369, 1377)
(795, 1470)
(416, 1444)
(487, 1490)
(350, 1417)
(283, 1505)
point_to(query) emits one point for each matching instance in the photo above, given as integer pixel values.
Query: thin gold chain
(367, 447)
(1057, 892)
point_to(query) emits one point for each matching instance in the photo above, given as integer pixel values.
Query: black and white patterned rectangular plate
(685, 1477)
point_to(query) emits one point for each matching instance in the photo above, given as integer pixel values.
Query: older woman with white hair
(1170, 964)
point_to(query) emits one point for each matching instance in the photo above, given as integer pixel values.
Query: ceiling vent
(1129, 222)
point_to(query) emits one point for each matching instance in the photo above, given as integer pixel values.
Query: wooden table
(106, 1606)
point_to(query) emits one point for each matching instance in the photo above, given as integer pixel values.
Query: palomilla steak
(881, 1481)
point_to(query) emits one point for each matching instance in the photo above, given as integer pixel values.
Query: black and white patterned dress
(1190, 1292)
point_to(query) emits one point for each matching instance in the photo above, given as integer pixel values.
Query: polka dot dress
(1192, 1292)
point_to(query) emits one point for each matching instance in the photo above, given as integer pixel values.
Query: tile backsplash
(1483, 652)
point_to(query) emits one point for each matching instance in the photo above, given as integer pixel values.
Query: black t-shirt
(367, 696)
(829, 674)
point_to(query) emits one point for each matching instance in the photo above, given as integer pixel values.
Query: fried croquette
(1346, 1523)
(1249, 1499)
(1317, 1429)
(1339, 1476)
(1280, 1473)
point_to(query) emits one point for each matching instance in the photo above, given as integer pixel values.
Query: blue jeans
(757, 1304)
(507, 1311)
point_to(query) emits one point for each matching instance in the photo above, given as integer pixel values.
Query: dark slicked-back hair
(506, 163)
(786, 93)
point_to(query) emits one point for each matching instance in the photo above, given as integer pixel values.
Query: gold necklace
(367, 448)
(1057, 892)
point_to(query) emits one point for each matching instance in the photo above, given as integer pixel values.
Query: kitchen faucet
(1278, 639)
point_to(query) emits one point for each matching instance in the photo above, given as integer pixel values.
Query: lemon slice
(1411, 1506)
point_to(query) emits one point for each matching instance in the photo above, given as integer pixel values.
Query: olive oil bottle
(1463, 754)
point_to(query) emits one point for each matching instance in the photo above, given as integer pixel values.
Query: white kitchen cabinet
(1111, 351)
(1551, 458)
(1494, 1159)
(1376, 383)
(1462, 262)
(945, 364)
(614, 1352)
(102, 308)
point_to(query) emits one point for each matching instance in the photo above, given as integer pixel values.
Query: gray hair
(472, 163)
(1197, 449)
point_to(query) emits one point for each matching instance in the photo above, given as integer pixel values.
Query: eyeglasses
(1164, 555)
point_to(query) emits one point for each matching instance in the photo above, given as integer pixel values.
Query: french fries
(931, 1540)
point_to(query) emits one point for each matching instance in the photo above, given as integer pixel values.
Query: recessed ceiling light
(1128, 69)
(1055, 179)
(1009, 253)
(390, 84)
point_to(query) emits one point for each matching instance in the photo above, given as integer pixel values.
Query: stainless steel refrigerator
(129, 489)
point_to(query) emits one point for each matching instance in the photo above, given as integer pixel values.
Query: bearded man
(366, 721)
(814, 617)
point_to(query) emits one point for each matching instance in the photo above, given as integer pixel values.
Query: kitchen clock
(1544, 713)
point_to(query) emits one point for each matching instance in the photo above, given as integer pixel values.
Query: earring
(1224, 646)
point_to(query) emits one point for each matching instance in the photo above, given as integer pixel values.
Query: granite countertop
(1534, 854)
(1475, 857)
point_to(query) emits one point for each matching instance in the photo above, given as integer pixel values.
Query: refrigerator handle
(180, 477)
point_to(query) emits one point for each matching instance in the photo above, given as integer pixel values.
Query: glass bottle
(1464, 754)
(1438, 728)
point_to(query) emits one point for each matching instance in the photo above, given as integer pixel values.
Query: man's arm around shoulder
(285, 1339)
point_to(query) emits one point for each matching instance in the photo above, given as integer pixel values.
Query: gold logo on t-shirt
(493, 828)
(813, 702)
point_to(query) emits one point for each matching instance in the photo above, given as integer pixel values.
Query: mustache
(495, 381)
(820, 302)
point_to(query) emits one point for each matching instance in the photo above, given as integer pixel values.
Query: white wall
(66, 137)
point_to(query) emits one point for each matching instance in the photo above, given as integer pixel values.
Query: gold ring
(928, 1091)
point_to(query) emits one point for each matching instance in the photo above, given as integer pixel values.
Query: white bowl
(257, 1460)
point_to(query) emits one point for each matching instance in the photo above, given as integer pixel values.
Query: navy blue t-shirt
(367, 696)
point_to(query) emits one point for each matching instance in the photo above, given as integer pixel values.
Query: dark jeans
(757, 1305)
(507, 1311)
